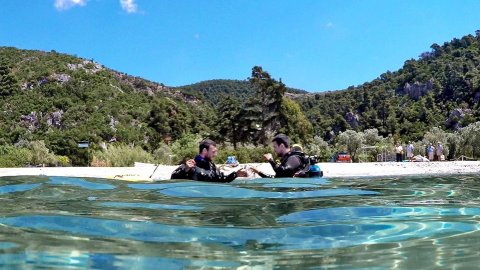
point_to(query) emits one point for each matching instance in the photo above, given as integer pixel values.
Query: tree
(319, 148)
(228, 120)
(8, 82)
(169, 119)
(269, 95)
(296, 124)
(41, 154)
(352, 141)
(437, 135)
(371, 137)
(470, 140)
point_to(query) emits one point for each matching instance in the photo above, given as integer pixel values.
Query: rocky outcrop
(353, 120)
(477, 97)
(87, 66)
(61, 77)
(455, 117)
(30, 121)
(27, 86)
(55, 119)
(417, 90)
(113, 123)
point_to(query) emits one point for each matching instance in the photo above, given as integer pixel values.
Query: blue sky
(315, 45)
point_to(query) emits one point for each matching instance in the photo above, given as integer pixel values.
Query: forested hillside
(63, 100)
(52, 101)
(439, 89)
(214, 91)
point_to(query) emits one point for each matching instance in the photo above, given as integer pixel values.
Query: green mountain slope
(214, 91)
(439, 89)
(63, 99)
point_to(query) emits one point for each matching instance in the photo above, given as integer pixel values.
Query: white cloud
(66, 4)
(329, 25)
(196, 36)
(129, 6)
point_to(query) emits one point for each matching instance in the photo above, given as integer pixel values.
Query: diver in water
(202, 167)
(293, 163)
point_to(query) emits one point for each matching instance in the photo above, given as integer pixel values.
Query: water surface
(377, 223)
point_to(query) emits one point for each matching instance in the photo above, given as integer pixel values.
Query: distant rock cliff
(417, 90)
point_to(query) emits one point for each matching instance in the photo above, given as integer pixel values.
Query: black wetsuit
(205, 170)
(292, 164)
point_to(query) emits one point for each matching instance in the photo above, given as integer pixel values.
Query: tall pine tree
(269, 94)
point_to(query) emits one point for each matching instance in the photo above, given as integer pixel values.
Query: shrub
(163, 154)
(41, 154)
(244, 154)
(121, 155)
(63, 161)
(98, 163)
(319, 148)
(186, 147)
(469, 142)
(11, 156)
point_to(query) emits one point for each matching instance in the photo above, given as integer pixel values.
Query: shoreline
(330, 170)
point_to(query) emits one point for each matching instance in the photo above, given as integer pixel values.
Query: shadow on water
(60, 222)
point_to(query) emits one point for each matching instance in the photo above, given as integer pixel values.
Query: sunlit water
(377, 223)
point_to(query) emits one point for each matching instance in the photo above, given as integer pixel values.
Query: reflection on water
(404, 223)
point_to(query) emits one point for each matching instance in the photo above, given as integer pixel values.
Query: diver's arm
(288, 168)
(181, 173)
(200, 174)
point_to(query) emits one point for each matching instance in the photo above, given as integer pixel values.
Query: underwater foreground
(342, 223)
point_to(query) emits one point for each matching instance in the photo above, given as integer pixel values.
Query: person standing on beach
(399, 152)
(439, 151)
(430, 152)
(410, 149)
(202, 167)
(292, 163)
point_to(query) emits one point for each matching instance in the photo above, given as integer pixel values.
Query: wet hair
(205, 144)
(281, 138)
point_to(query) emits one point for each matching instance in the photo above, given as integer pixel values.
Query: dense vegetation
(50, 102)
(63, 100)
(214, 91)
(440, 89)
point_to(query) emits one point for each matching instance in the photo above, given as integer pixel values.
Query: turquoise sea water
(361, 223)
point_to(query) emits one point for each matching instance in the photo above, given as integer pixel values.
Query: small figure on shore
(439, 152)
(292, 163)
(410, 149)
(398, 152)
(430, 151)
(202, 167)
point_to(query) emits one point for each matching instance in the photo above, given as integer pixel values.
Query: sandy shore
(373, 169)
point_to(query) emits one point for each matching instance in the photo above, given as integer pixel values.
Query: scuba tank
(315, 171)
